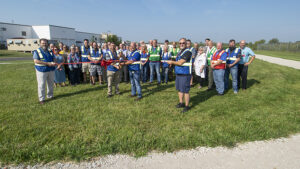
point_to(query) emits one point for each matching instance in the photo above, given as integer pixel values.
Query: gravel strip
(271, 154)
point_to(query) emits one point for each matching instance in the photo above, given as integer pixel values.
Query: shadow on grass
(78, 92)
(250, 83)
(155, 90)
(201, 97)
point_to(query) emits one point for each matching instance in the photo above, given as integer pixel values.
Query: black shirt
(186, 56)
(239, 55)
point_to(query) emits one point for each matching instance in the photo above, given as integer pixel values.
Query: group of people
(112, 64)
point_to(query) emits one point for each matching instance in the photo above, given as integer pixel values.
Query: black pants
(200, 80)
(242, 73)
(75, 76)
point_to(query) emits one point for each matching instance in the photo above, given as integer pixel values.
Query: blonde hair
(145, 47)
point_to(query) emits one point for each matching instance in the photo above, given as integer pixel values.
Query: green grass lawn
(81, 123)
(280, 54)
(8, 53)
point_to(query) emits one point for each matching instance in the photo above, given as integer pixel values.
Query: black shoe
(109, 96)
(139, 98)
(180, 105)
(209, 89)
(186, 108)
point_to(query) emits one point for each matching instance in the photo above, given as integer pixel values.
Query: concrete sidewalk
(280, 61)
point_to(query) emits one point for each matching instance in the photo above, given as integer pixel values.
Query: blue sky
(136, 20)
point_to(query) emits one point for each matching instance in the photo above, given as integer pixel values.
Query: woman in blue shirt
(166, 55)
(59, 74)
(144, 63)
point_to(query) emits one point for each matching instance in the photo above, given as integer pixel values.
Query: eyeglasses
(182, 43)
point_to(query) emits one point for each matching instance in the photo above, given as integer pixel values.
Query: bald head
(242, 44)
(133, 46)
(219, 45)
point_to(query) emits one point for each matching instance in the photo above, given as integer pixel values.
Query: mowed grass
(8, 53)
(280, 54)
(81, 123)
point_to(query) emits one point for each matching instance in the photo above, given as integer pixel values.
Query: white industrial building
(53, 33)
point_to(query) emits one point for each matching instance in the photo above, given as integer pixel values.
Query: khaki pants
(113, 78)
(104, 74)
(86, 67)
(42, 79)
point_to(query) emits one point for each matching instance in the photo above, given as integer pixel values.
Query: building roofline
(87, 32)
(14, 24)
(55, 26)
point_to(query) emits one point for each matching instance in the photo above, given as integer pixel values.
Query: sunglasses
(182, 43)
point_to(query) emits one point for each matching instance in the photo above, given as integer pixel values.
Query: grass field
(7, 53)
(81, 123)
(280, 54)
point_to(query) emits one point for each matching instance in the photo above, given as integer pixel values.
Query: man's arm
(216, 63)
(37, 61)
(186, 56)
(252, 58)
(237, 59)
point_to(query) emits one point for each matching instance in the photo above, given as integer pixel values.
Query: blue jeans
(165, 71)
(234, 75)
(219, 79)
(135, 83)
(155, 65)
(144, 71)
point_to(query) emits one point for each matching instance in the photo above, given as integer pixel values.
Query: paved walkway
(280, 61)
(15, 58)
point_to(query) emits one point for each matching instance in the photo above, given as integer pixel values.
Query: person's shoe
(42, 102)
(220, 94)
(209, 89)
(119, 93)
(186, 108)
(199, 87)
(109, 96)
(139, 98)
(132, 95)
(180, 105)
(235, 92)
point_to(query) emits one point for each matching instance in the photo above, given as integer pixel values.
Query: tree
(114, 38)
(274, 41)
(262, 41)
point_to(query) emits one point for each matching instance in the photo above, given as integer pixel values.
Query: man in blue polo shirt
(134, 71)
(247, 53)
(233, 58)
(44, 61)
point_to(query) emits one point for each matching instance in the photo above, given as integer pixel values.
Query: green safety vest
(154, 55)
(175, 52)
(210, 53)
